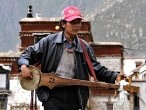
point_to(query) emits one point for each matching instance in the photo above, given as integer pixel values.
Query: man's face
(73, 27)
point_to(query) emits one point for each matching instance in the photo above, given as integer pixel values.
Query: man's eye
(73, 22)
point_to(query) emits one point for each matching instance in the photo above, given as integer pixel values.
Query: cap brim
(73, 18)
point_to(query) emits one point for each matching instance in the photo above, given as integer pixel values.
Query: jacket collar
(59, 39)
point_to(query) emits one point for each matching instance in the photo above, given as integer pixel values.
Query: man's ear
(62, 24)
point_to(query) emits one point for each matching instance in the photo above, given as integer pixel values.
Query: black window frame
(4, 91)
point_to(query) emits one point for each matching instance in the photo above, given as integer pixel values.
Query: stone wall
(108, 103)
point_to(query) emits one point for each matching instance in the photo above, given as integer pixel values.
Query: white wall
(130, 64)
(19, 96)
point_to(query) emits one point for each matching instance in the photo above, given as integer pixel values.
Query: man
(62, 54)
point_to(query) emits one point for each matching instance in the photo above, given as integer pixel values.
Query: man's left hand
(122, 77)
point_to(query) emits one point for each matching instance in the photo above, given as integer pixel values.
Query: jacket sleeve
(102, 72)
(32, 54)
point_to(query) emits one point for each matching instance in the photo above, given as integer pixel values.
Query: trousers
(62, 98)
(51, 106)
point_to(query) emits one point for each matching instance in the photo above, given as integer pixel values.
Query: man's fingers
(26, 75)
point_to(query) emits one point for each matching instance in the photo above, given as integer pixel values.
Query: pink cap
(70, 13)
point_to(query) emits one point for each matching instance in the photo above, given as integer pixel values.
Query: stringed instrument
(51, 80)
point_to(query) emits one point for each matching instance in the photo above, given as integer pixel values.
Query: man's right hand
(25, 72)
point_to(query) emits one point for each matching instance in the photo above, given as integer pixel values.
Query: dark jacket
(49, 51)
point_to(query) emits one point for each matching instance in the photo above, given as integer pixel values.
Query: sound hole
(51, 80)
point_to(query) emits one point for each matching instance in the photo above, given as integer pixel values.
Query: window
(2, 104)
(136, 102)
(4, 85)
(39, 36)
(144, 76)
(2, 80)
(109, 106)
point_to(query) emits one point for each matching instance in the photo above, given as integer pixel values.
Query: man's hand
(25, 72)
(122, 77)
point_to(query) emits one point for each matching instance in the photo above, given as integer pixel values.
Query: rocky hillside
(123, 21)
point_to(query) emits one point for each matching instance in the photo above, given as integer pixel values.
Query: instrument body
(51, 80)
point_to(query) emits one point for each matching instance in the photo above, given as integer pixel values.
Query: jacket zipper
(79, 92)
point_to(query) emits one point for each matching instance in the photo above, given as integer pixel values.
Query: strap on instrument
(88, 60)
(33, 106)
